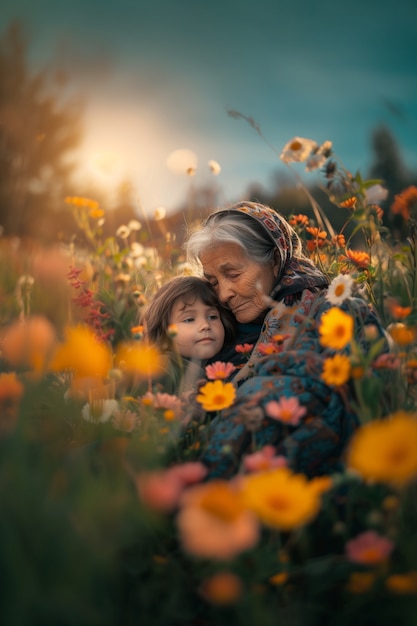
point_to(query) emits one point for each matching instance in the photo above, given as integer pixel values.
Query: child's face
(200, 332)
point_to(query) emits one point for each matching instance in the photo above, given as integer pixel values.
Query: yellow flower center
(339, 290)
(221, 503)
(296, 145)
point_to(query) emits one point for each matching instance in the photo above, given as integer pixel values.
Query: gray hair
(236, 228)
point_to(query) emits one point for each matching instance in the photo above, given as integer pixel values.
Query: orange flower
(28, 343)
(404, 201)
(82, 353)
(316, 232)
(11, 391)
(402, 583)
(403, 335)
(222, 589)
(336, 329)
(216, 395)
(339, 240)
(350, 203)
(140, 358)
(299, 220)
(358, 258)
(213, 522)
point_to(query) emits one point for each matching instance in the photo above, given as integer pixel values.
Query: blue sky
(160, 75)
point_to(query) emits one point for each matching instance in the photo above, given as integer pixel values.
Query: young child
(187, 322)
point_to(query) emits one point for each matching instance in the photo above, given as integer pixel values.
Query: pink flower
(263, 459)
(244, 348)
(219, 370)
(189, 473)
(286, 410)
(160, 490)
(369, 548)
(387, 361)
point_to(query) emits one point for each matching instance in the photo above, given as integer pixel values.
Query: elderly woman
(254, 260)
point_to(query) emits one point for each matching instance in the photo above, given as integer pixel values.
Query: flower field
(105, 516)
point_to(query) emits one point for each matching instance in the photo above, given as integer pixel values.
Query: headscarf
(297, 272)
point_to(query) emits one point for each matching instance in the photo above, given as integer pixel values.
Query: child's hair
(156, 316)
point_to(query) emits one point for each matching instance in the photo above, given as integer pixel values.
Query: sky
(159, 76)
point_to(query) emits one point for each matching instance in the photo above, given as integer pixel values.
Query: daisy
(339, 289)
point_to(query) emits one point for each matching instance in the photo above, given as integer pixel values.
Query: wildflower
(387, 361)
(339, 240)
(402, 335)
(336, 329)
(316, 232)
(336, 370)
(96, 213)
(11, 391)
(172, 330)
(140, 358)
(385, 451)
(123, 232)
(216, 395)
(159, 214)
(375, 194)
(358, 258)
(99, 410)
(221, 589)
(339, 289)
(82, 353)
(279, 579)
(369, 548)
(125, 420)
(213, 522)
(404, 201)
(299, 220)
(402, 583)
(244, 348)
(134, 225)
(397, 311)
(297, 150)
(360, 582)
(219, 370)
(286, 410)
(349, 203)
(268, 348)
(215, 168)
(28, 343)
(137, 332)
(263, 459)
(280, 498)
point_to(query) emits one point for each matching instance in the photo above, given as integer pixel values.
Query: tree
(39, 128)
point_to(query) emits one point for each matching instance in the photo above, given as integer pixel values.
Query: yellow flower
(216, 395)
(385, 450)
(336, 370)
(140, 358)
(83, 354)
(280, 498)
(336, 329)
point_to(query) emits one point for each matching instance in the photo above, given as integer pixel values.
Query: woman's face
(240, 283)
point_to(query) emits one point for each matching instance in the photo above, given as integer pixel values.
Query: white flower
(339, 289)
(100, 411)
(134, 225)
(297, 150)
(136, 249)
(159, 214)
(375, 194)
(123, 231)
(214, 168)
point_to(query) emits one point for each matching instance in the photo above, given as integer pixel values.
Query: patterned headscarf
(297, 272)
